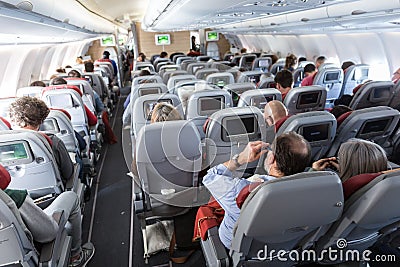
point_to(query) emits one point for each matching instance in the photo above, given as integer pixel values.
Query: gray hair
(357, 156)
(165, 112)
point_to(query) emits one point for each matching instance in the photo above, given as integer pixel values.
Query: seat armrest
(51, 251)
(73, 181)
(214, 251)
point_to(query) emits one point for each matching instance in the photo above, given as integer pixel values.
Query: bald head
(274, 111)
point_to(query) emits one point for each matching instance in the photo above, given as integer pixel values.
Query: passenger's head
(79, 60)
(144, 73)
(38, 83)
(301, 59)
(309, 69)
(163, 54)
(347, 64)
(274, 111)
(319, 61)
(343, 100)
(164, 112)
(339, 110)
(28, 112)
(5, 178)
(58, 81)
(60, 70)
(290, 154)
(291, 61)
(396, 76)
(74, 73)
(141, 57)
(106, 55)
(243, 50)
(89, 66)
(283, 79)
(357, 156)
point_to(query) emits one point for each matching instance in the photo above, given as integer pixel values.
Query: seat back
(373, 94)
(395, 101)
(298, 76)
(15, 246)
(220, 66)
(268, 82)
(32, 91)
(144, 105)
(376, 124)
(172, 82)
(236, 60)
(138, 66)
(70, 101)
(147, 79)
(97, 84)
(185, 62)
(168, 68)
(250, 76)
(246, 61)
(193, 67)
(317, 127)
(353, 76)
(169, 74)
(368, 215)
(236, 89)
(331, 78)
(203, 58)
(203, 104)
(147, 89)
(229, 131)
(259, 98)
(305, 98)
(203, 73)
(158, 61)
(277, 67)
(57, 122)
(220, 79)
(168, 159)
(295, 223)
(176, 56)
(28, 157)
(262, 64)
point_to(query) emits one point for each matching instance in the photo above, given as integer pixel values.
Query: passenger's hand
(253, 151)
(322, 164)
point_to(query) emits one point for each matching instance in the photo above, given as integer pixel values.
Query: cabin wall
(180, 42)
(376, 49)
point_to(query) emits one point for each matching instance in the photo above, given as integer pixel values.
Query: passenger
(163, 54)
(60, 70)
(29, 113)
(343, 100)
(301, 59)
(356, 156)
(347, 64)
(41, 223)
(290, 63)
(75, 74)
(38, 83)
(339, 110)
(106, 55)
(243, 50)
(92, 120)
(319, 61)
(284, 82)
(396, 76)
(274, 113)
(141, 57)
(309, 72)
(161, 112)
(289, 154)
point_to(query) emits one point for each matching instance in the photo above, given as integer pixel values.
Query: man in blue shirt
(289, 154)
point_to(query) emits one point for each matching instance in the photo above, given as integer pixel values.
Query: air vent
(25, 5)
(305, 19)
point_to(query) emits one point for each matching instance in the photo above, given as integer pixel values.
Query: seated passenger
(275, 113)
(161, 112)
(339, 110)
(38, 83)
(319, 61)
(41, 223)
(92, 120)
(284, 82)
(29, 113)
(346, 65)
(344, 100)
(290, 63)
(396, 76)
(356, 156)
(289, 154)
(141, 73)
(309, 72)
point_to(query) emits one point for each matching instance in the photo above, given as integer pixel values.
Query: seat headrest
(6, 122)
(354, 183)
(343, 117)
(62, 86)
(63, 111)
(5, 178)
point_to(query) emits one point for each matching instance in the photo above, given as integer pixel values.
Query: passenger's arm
(63, 160)
(42, 226)
(253, 151)
(322, 164)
